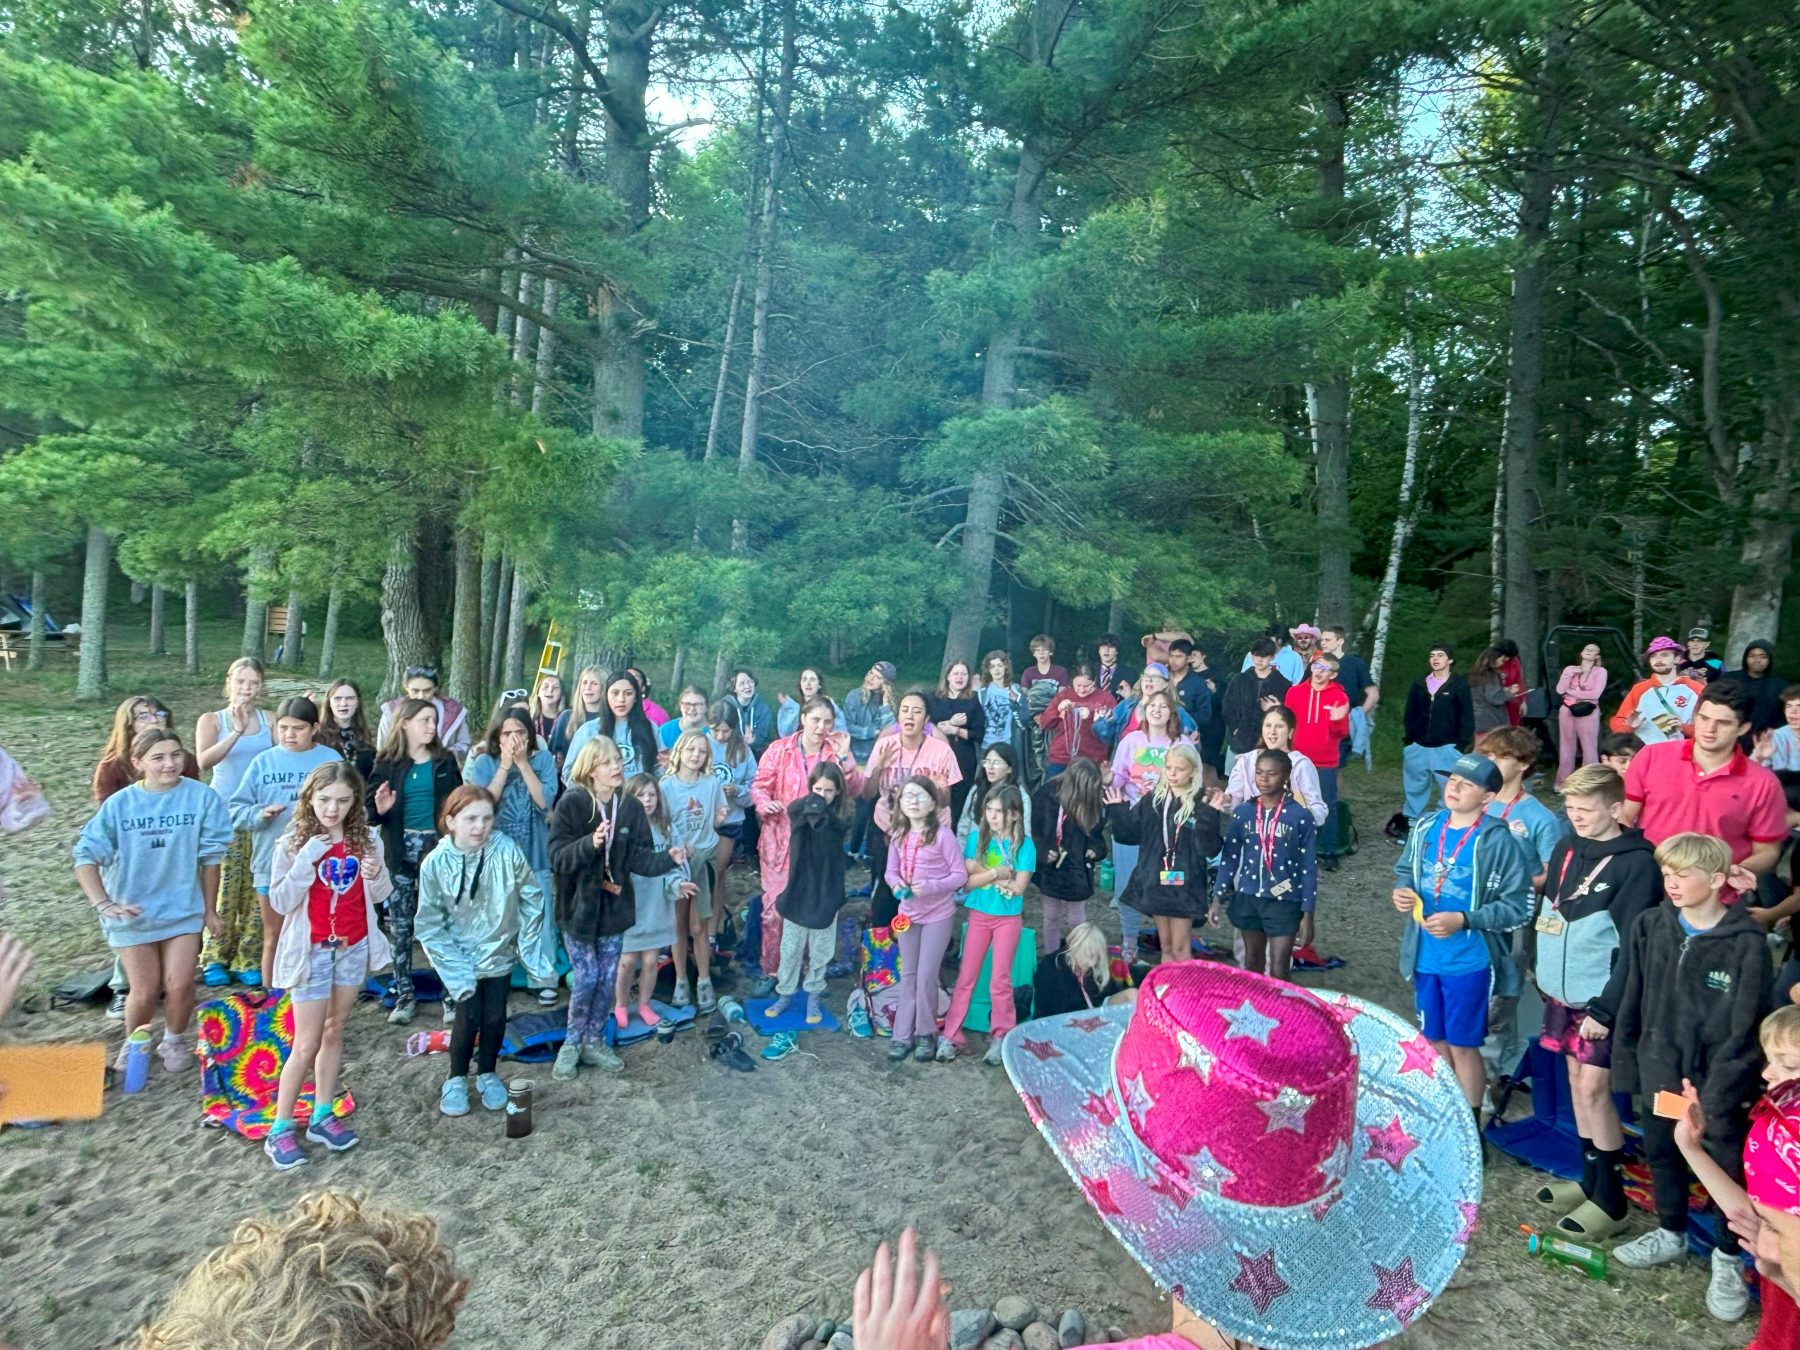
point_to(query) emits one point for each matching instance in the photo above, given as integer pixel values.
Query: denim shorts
(329, 968)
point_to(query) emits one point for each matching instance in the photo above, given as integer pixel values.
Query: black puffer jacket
(1691, 1008)
(586, 907)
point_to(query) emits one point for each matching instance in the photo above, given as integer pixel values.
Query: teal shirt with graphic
(1532, 823)
(991, 899)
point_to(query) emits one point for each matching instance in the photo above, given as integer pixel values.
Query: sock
(1589, 1165)
(1608, 1190)
(282, 1125)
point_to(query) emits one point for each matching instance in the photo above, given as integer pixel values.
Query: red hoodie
(1071, 735)
(1318, 732)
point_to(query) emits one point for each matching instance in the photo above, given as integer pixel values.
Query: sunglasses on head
(509, 695)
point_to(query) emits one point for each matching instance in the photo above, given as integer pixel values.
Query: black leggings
(1669, 1175)
(482, 1015)
(883, 904)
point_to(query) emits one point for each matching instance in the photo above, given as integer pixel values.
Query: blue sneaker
(250, 979)
(454, 1099)
(859, 1021)
(763, 987)
(328, 1130)
(215, 975)
(492, 1090)
(284, 1150)
(783, 1045)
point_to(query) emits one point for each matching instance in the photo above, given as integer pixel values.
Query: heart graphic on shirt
(339, 873)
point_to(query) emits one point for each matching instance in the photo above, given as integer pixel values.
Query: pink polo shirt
(1742, 803)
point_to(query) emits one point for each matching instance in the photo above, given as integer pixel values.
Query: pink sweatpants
(922, 949)
(1059, 917)
(1002, 933)
(1582, 732)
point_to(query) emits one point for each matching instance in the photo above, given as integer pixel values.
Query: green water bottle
(1590, 1261)
(1106, 875)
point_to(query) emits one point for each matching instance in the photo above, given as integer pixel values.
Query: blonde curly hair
(333, 1276)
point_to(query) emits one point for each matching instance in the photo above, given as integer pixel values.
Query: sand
(681, 1204)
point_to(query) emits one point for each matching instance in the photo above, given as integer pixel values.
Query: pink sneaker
(647, 1015)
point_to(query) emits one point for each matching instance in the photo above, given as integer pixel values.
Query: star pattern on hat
(1397, 1292)
(1247, 1022)
(1208, 1173)
(1099, 1195)
(1337, 1162)
(1343, 1009)
(1041, 1049)
(1417, 1056)
(1286, 1110)
(1100, 1107)
(1471, 1213)
(1390, 1143)
(1087, 1024)
(1137, 1097)
(1172, 1186)
(1258, 1280)
(1196, 1056)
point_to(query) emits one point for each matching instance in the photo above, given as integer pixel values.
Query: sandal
(1562, 1196)
(1591, 1223)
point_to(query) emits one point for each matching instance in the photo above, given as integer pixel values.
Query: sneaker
(492, 1090)
(679, 998)
(763, 987)
(568, 1060)
(1726, 1297)
(778, 1007)
(992, 1057)
(815, 1014)
(402, 1013)
(328, 1130)
(922, 1049)
(546, 998)
(729, 1051)
(946, 1050)
(115, 1011)
(600, 1056)
(899, 1050)
(283, 1148)
(705, 997)
(784, 1044)
(215, 976)
(449, 1012)
(1658, 1247)
(177, 1053)
(859, 1021)
(1397, 826)
(453, 1099)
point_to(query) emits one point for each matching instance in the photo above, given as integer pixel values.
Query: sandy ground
(681, 1204)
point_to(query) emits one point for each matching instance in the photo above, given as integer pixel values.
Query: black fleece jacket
(587, 905)
(1243, 706)
(816, 863)
(1444, 718)
(1691, 1008)
(1072, 877)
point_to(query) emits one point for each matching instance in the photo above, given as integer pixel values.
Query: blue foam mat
(635, 1030)
(794, 1019)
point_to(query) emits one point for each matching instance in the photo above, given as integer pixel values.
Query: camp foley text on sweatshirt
(273, 779)
(150, 847)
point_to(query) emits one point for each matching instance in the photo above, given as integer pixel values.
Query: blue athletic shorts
(1453, 1009)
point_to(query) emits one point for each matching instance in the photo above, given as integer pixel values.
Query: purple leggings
(922, 949)
(593, 967)
(1059, 917)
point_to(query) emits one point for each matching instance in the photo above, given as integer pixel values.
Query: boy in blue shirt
(1464, 881)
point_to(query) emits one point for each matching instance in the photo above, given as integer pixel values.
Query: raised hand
(1114, 797)
(384, 797)
(900, 1305)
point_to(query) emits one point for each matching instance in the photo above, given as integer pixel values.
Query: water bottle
(137, 1060)
(733, 1010)
(1590, 1261)
(518, 1108)
(1106, 875)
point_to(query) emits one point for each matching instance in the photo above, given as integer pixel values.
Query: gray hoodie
(273, 779)
(150, 847)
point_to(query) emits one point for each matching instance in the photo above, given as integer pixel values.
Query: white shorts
(329, 968)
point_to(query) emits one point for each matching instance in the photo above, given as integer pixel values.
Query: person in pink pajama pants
(781, 777)
(1582, 683)
(925, 871)
(1000, 858)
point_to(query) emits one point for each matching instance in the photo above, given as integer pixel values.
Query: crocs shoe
(250, 979)
(679, 997)
(453, 1099)
(704, 995)
(328, 1130)
(215, 975)
(815, 1014)
(568, 1062)
(859, 1021)
(492, 1090)
(783, 1045)
(284, 1150)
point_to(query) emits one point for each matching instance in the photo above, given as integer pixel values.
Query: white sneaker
(1726, 1298)
(177, 1053)
(679, 998)
(1658, 1247)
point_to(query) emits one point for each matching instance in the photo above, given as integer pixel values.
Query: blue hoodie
(1500, 893)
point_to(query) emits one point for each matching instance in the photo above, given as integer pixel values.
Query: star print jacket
(1501, 891)
(1594, 891)
(1691, 1008)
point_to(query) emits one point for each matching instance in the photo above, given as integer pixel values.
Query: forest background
(807, 331)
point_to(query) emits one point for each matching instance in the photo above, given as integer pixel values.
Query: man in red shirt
(1321, 711)
(1709, 786)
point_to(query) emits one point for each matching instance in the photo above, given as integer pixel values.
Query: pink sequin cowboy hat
(1303, 1174)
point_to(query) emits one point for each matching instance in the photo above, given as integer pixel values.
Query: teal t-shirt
(418, 809)
(991, 899)
(1532, 823)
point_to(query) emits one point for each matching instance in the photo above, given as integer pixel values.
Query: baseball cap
(1477, 769)
(1158, 669)
(1698, 635)
(887, 671)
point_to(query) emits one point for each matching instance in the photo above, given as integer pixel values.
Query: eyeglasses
(915, 795)
(509, 695)
(150, 715)
(422, 673)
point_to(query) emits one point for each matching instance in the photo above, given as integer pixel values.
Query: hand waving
(900, 1306)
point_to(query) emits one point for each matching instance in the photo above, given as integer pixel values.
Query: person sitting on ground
(1074, 976)
(337, 1272)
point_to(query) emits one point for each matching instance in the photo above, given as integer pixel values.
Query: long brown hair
(1013, 805)
(943, 688)
(304, 824)
(330, 733)
(124, 727)
(899, 824)
(394, 747)
(1077, 791)
(659, 818)
(988, 660)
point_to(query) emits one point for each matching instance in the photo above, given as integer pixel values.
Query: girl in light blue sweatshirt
(263, 803)
(148, 861)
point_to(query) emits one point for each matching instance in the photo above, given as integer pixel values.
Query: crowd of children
(592, 838)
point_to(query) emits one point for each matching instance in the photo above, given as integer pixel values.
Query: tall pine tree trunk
(90, 676)
(190, 623)
(403, 624)
(34, 627)
(1328, 398)
(293, 646)
(159, 641)
(720, 385)
(513, 672)
(328, 643)
(496, 653)
(465, 682)
(619, 350)
(546, 352)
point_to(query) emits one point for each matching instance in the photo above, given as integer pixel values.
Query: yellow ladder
(550, 663)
